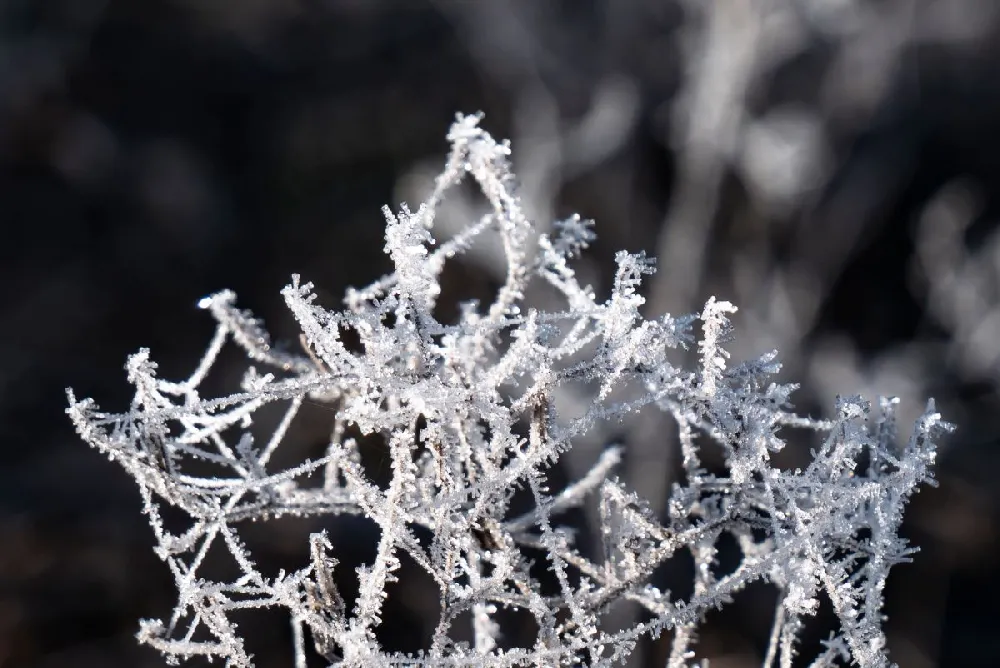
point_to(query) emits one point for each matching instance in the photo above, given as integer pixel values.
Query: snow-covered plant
(472, 416)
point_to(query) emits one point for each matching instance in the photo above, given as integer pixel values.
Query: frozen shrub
(470, 414)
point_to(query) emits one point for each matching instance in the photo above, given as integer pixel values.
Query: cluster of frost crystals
(469, 413)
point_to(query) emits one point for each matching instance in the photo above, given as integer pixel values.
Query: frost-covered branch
(469, 414)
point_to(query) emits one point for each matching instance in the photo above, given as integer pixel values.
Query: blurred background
(831, 166)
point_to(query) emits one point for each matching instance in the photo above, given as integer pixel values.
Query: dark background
(154, 152)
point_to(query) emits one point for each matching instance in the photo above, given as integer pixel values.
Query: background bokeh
(831, 166)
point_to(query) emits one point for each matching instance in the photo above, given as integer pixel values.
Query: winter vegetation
(475, 414)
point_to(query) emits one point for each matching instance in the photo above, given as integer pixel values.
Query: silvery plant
(473, 414)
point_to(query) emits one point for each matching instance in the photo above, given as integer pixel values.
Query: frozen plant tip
(470, 413)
